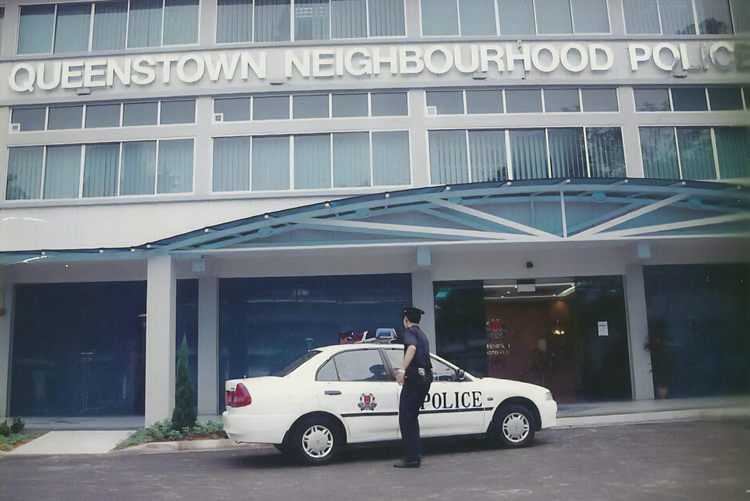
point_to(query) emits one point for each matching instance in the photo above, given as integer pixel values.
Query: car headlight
(548, 395)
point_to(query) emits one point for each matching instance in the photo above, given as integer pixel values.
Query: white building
(552, 181)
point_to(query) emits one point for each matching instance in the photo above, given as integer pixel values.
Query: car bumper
(254, 428)
(548, 413)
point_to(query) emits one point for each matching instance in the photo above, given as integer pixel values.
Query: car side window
(361, 365)
(395, 357)
(327, 372)
(442, 372)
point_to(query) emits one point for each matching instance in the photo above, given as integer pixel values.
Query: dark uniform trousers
(413, 394)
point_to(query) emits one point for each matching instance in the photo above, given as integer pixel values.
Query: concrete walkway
(101, 435)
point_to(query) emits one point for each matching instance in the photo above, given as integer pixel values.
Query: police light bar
(385, 335)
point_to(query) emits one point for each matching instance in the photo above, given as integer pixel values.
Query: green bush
(184, 415)
(4, 429)
(163, 432)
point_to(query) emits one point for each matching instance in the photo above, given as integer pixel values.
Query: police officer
(415, 376)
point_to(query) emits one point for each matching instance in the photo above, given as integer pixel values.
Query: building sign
(372, 61)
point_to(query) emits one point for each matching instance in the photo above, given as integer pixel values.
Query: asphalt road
(691, 461)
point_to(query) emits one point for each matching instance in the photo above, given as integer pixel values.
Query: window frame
(696, 22)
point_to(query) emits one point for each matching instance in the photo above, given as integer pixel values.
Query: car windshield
(291, 367)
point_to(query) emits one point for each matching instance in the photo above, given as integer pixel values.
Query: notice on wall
(603, 328)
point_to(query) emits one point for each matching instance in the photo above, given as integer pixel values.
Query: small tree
(184, 415)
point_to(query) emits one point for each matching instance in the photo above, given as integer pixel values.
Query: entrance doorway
(567, 334)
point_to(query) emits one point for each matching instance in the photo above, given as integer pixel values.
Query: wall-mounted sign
(372, 61)
(603, 328)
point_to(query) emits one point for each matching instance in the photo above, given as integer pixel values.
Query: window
(689, 99)
(65, 117)
(29, 119)
(523, 101)
(319, 161)
(233, 109)
(447, 102)
(471, 156)
(361, 365)
(102, 115)
(685, 17)
(270, 108)
(104, 26)
(599, 100)
(140, 113)
(311, 106)
(484, 101)
(389, 104)
(177, 112)
(349, 105)
(279, 20)
(725, 98)
(109, 169)
(561, 101)
(652, 100)
(327, 372)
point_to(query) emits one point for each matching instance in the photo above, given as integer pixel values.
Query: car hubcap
(516, 427)
(317, 441)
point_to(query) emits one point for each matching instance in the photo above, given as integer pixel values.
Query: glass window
(272, 19)
(62, 172)
(110, 25)
(641, 17)
(523, 101)
(102, 115)
(65, 117)
(100, 170)
(360, 365)
(29, 118)
(599, 99)
(327, 372)
(390, 158)
(450, 102)
(138, 171)
(741, 16)
(180, 22)
(689, 99)
(270, 170)
(677, 17)
(140, 113)
(561, 101)
(651, 100)
(233, 109)
(733, 151)
(349, 105)
(387, 18)
(696, 153)
(175, 172)
(553, 17)
(270, 108)
(714, 17)
(145, 23)
(389, 104)
(24, 173)
(605, 152)
(516, 17)
(351, 160)
(443, 372)
(235, 21)
(231, 164)
(528, 149)
(312, 161)
(73, 26)
(659, 152)
(439, 18)
(310, 106)
(178, 112)
(487, 156)
(448, 157)
(484, 101)
(477, 17)
(311, 20)
(348, 19)
(567, 153)
(36, 29)
(590, 16)
(725, 98)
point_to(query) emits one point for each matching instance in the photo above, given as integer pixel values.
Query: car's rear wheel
(315, 440)
(513, 426)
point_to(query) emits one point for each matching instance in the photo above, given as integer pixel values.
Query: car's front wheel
(315, 440)
(512, 426)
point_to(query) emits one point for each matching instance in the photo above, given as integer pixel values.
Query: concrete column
(161, 306)
(208, 346)
(6, 332)
(424, 299)
(641, 378)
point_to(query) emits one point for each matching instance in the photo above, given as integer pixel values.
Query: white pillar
(641, 378)
(208, 346)
(161, 317)
(424, 299)
(6, 331)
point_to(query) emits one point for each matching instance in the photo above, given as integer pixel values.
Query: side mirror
(460, 374)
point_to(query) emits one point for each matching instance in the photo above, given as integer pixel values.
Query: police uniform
(418, 376)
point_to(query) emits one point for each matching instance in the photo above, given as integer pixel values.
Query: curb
(186, 445)
(650, 417)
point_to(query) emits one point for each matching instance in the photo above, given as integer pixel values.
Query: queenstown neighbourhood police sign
(328, 62)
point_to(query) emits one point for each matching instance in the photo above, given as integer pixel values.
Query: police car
(346, 394)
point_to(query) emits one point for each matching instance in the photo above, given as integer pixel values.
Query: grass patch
(163, 432)
(13, 440)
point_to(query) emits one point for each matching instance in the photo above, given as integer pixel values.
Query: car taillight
(239, 397)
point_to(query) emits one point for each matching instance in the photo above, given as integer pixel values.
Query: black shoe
(408, 464)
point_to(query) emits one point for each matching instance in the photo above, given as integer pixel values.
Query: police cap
(413, 314)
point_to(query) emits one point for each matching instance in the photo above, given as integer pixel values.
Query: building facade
(562, 185)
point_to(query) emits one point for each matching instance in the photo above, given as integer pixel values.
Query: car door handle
(333, 392)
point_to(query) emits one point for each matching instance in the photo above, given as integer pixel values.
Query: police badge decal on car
(367, 402)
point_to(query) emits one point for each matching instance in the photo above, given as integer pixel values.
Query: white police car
(344, 394)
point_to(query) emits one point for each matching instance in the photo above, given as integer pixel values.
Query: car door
(358, 386)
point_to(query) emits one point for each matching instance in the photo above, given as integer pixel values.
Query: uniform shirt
(414, 336)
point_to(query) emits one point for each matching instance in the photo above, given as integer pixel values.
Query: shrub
(184, 415)
(4, 429)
